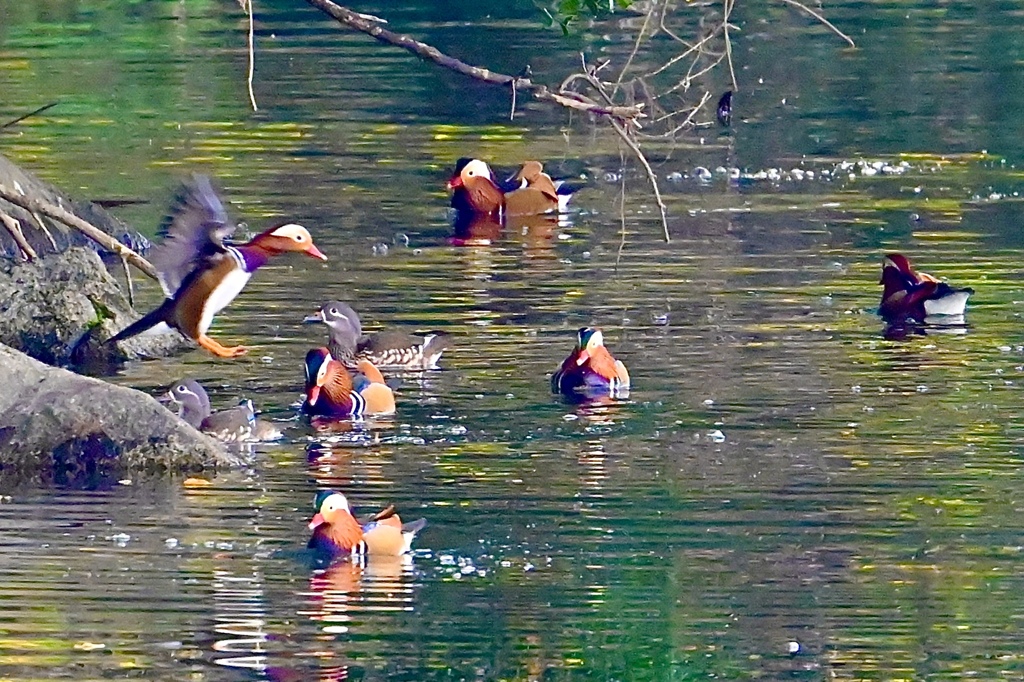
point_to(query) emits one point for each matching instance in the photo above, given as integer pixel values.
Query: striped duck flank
(238, 424)
(336, 531)
(529, 192)
(391, 348)
(908, 294)
(590, 369)
(200, 272)
(331, 391)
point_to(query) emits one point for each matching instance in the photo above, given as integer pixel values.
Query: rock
(57, 237)
(61, 308)
(64, 426)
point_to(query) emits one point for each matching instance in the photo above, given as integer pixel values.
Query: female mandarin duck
(590, 369)
(336, 532)
(529, 192)
(199, 273)
(332, 392)
(234, 425)
(916, 295)
(390, 349)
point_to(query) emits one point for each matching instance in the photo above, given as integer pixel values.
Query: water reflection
(240, 613)
(955, 325)
(780, 474)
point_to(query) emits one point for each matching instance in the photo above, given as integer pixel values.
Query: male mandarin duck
(336, 532)
(332, 392)
(529, 192)
(908, 294)
(233, 425)
(390, 349)
(200, 273)
(590, 369)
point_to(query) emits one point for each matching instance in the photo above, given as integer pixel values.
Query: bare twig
(247, 7)
(688, 121)
(727, 10)
(128, 280)
(28, 115)
(631, 143)
(14, 227)
(42, 226)
(683, 55)
(622, 207)
(822, 19)
(636, 46)
(650, 174)
(71, 220)
(430, 53)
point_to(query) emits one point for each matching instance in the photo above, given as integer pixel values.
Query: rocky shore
(58, 424)
(60, 308)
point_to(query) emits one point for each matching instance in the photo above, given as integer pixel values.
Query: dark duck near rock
(238, 424)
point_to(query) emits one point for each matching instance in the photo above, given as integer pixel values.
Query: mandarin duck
(590, 369)
(332, 392)
(234, 425)
(336, 532)
(200, 273)
(529, 192)
(390, 349)
(916, 295)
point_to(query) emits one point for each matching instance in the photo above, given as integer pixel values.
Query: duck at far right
(910, 295)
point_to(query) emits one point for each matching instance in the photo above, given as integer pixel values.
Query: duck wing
(194, 232)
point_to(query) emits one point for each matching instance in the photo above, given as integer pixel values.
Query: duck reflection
(902, 330)
(601, 410)
(359, 585)
(536, 232)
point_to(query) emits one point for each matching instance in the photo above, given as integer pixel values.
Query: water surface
(786, 494)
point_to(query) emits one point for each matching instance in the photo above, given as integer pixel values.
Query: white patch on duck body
(158, 328)
(225, 291)
(953, 304)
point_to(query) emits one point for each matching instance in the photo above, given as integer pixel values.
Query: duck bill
(582, 357)
(313, 395)
(314, 252)
(167, 399)
(317, 521)
(454, 183)
(314, 318)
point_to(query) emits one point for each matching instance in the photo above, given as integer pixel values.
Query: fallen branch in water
(94, 233)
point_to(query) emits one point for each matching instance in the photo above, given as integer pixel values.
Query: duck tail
(409, 531)
(147, 322)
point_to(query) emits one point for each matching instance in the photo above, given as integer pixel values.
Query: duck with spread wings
(200, 272)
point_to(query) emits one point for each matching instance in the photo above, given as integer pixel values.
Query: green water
(786, 494)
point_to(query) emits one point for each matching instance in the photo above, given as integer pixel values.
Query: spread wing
(194, 231)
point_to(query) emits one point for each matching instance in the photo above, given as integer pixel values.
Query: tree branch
(88, 229)
(822, 19)
(14, 227)
(373, 28)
